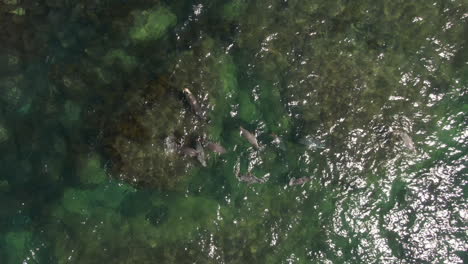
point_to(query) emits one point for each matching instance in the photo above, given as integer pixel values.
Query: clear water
(369, 100)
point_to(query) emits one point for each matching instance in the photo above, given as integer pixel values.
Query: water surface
(368, 100)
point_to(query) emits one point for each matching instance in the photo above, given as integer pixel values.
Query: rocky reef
(134, 137)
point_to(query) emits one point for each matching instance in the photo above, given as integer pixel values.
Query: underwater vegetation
(338, 131)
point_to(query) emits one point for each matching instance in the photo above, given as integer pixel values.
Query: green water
(90, 92)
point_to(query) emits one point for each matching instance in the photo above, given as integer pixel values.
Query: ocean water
(365, 102)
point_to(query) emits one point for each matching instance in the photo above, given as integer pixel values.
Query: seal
(215, 147)
(250, 137)
(201, 154)
(193, 103)
(299, 181)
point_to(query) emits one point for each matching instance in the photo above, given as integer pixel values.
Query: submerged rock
(144, 137)
(251, 179)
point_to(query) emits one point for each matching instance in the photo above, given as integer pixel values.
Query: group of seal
(199, 153)
(308, 141)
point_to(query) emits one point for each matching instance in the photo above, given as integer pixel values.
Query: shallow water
(367, 100)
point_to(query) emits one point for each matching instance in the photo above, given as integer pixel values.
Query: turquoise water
(366, 99)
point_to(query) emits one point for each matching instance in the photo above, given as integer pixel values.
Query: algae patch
(91, 171)
(151, 24)
(119, 57)
(4, 135)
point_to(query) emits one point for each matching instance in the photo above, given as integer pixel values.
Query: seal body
(250, 137)
(193, 103)
(215, 147)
